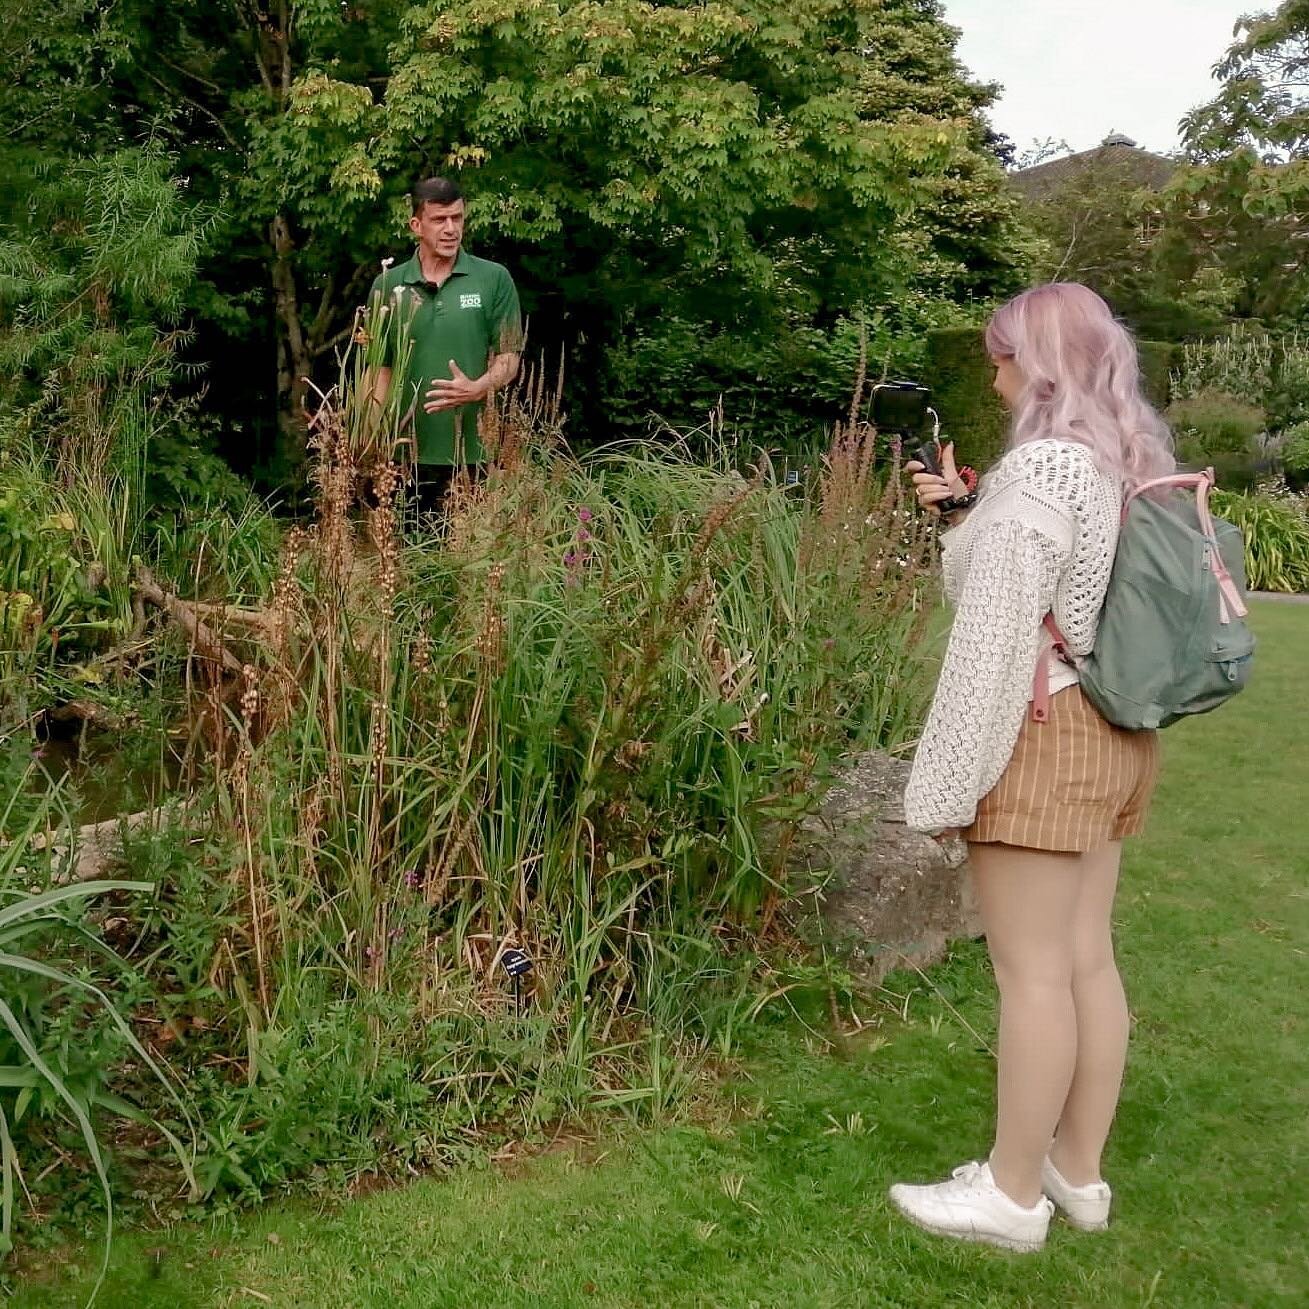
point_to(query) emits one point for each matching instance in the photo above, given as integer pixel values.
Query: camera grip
(930, 458)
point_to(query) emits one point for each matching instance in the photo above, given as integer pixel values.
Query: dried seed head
(250, 695)
(421, 658)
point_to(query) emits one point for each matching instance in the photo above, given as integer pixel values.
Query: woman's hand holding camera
(931, 488)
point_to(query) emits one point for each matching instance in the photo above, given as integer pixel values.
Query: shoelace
(967, 1177)
(972, 1179)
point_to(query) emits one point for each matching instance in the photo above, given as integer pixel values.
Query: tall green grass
(48, 989)
(581, 718)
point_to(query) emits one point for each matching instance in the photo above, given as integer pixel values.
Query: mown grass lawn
(773, 1193)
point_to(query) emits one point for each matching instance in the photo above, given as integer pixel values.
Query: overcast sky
(1080, 69)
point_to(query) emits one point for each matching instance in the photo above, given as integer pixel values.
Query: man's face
(440, 228)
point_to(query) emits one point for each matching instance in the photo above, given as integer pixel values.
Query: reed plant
(579, 718)
(64, 1035)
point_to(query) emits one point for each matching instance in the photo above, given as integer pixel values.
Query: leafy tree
(967, 234)
(92, 288)
(1103, 224)
(48, 52)
(786, 365)
(741, 162)
(1244, 205)
(233, 87)
(1096, 227)
(1264, 103)
(731, 163)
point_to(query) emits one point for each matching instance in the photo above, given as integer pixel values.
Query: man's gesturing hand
(459, 390)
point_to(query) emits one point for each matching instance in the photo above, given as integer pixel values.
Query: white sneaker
(1085, 1207)
(972, 1207)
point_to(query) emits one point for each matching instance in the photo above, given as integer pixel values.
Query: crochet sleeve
(986, 681)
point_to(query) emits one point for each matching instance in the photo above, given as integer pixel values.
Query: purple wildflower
(572, 559)
(583, 534)
(413, 878)
(584, 515)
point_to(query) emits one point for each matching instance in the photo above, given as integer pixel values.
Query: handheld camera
(904, 408)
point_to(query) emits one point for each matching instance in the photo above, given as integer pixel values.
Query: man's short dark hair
(435, 191)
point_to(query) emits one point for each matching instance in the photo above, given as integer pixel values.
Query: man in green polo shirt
(464, 328)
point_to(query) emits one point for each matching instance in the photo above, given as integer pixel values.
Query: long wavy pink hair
(1082, 380)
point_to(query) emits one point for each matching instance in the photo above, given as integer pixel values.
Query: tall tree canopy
(740, 161)
(1103, 217)
(1244, 207)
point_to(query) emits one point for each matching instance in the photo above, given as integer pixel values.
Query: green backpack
(1172, 640)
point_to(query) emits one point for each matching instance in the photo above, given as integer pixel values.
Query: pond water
(102, 780)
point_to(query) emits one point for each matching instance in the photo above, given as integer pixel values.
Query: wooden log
(86, 711)
(257, 618)
(203, 639)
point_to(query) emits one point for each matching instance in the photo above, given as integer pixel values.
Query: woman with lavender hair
(1040, 785)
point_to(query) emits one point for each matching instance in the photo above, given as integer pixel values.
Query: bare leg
(1029, 902)
(1103, 1024)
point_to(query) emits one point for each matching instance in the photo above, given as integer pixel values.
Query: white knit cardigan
(1041, 539)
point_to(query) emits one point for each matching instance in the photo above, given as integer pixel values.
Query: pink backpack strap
(1229, 597)
(1041, 691)
(1041, 682)
(1200, 483)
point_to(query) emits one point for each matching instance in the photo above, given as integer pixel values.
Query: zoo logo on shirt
(470, 302)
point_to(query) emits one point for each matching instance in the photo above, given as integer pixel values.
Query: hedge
(1157, 361)
(961, 374)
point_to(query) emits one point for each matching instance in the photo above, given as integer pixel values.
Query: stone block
(889, 897)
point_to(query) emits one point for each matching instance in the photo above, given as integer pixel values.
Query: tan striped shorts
(1073, 783)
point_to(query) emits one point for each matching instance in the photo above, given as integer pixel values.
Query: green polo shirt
(471, 314)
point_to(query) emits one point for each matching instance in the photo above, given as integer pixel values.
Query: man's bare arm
(501, 370)
(381, 385)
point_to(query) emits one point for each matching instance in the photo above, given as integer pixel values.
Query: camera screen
(900, 407)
